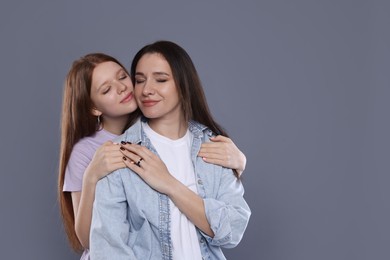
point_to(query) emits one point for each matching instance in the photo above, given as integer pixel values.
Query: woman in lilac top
(98, 105)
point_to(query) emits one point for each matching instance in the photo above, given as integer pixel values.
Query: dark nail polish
(123, 142)
(128, 142)
(124, 158)
(122, 148)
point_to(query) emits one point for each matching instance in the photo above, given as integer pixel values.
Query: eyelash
(109, 88)
(139, 81)
(106, 91)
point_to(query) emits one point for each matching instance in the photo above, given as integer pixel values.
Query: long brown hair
(194, 103)
(77, 122)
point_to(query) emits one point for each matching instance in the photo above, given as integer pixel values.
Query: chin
(151, 115)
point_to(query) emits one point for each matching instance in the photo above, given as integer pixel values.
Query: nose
(148, 88)
(121, 87)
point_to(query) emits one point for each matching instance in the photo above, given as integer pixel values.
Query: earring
(98, 120)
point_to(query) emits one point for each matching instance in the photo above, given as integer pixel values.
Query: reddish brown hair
(77, 122)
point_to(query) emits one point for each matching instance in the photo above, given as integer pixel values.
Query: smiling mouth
(149, 103)
(127, 98)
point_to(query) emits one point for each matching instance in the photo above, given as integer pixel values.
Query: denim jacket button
(200, 182)
(202, 240)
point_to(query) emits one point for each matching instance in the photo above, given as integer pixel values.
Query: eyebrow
(117, 73)
(160, 73)
(154, 73)
(101, 85)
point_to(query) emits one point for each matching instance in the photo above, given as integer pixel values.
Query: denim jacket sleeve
(227, 212)
(110, 227)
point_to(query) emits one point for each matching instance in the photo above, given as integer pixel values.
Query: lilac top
(81, 156)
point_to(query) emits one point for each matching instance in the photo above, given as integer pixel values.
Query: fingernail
(123, 142)
(122, 148)
(124, 158)
(128, 142)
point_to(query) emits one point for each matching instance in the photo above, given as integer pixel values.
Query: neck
(115, 125)
(170, 128)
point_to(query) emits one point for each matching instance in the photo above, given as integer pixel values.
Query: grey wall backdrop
(302, 87)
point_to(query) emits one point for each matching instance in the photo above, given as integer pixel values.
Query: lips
(127, 98)
(149, 103)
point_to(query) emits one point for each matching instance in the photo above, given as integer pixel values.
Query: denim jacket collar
(136, 135)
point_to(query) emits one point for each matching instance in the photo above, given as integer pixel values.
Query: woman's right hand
(106, 159)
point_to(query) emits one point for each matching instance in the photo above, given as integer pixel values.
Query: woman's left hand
(148, 166)
(222, 151)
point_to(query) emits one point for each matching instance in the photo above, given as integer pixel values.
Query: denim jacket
(132, 221)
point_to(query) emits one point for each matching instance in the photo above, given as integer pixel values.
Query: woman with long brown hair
(98, 104)
(168, 203)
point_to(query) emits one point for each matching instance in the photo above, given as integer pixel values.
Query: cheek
(106, 101)
(129, 84)
(137, 93)
(171, 92)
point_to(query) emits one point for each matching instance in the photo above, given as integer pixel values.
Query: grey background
(301, 86)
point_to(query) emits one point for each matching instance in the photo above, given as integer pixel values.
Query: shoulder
(201, 131)
(89, 144)
(83, 152)
(79, 160)
(84, 148)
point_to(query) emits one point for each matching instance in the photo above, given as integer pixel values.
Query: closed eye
(122, 77)
(139, 80)
(106, 90)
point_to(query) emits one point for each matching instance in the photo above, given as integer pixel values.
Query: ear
(96, 112)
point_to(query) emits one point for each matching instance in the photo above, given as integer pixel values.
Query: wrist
(89, 177)
(174, 188)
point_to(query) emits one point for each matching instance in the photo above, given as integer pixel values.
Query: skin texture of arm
(191, 205)
(222, 151)
(106, 159)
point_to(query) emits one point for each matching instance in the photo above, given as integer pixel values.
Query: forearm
(191, 205)
(84, 216)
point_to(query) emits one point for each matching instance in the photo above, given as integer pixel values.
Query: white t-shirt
(176, 154)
